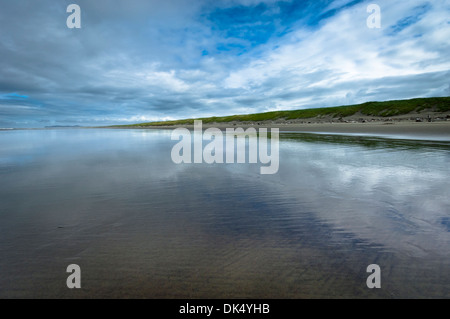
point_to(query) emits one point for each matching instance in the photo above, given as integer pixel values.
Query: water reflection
(141, 226)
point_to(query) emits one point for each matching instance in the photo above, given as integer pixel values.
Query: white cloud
(166, 80)
(336, 5)
(346, 51)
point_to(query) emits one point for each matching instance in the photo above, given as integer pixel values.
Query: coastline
(440, 130)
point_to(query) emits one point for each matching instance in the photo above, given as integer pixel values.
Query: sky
(137, 61)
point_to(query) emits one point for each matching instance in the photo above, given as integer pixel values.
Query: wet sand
(140, 226)
(406, 129)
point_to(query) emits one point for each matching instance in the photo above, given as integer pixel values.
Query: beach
(410, 129)
(139, 225)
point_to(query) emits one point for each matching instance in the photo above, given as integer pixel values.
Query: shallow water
(138, 225)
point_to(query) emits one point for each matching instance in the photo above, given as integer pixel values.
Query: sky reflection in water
(140, 225)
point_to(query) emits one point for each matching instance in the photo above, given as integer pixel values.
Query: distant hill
(369, 109)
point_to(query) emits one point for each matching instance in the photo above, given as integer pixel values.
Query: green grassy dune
(376, 109)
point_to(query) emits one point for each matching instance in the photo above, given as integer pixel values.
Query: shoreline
(439, 130)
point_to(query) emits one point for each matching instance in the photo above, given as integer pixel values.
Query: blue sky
(139, 60)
